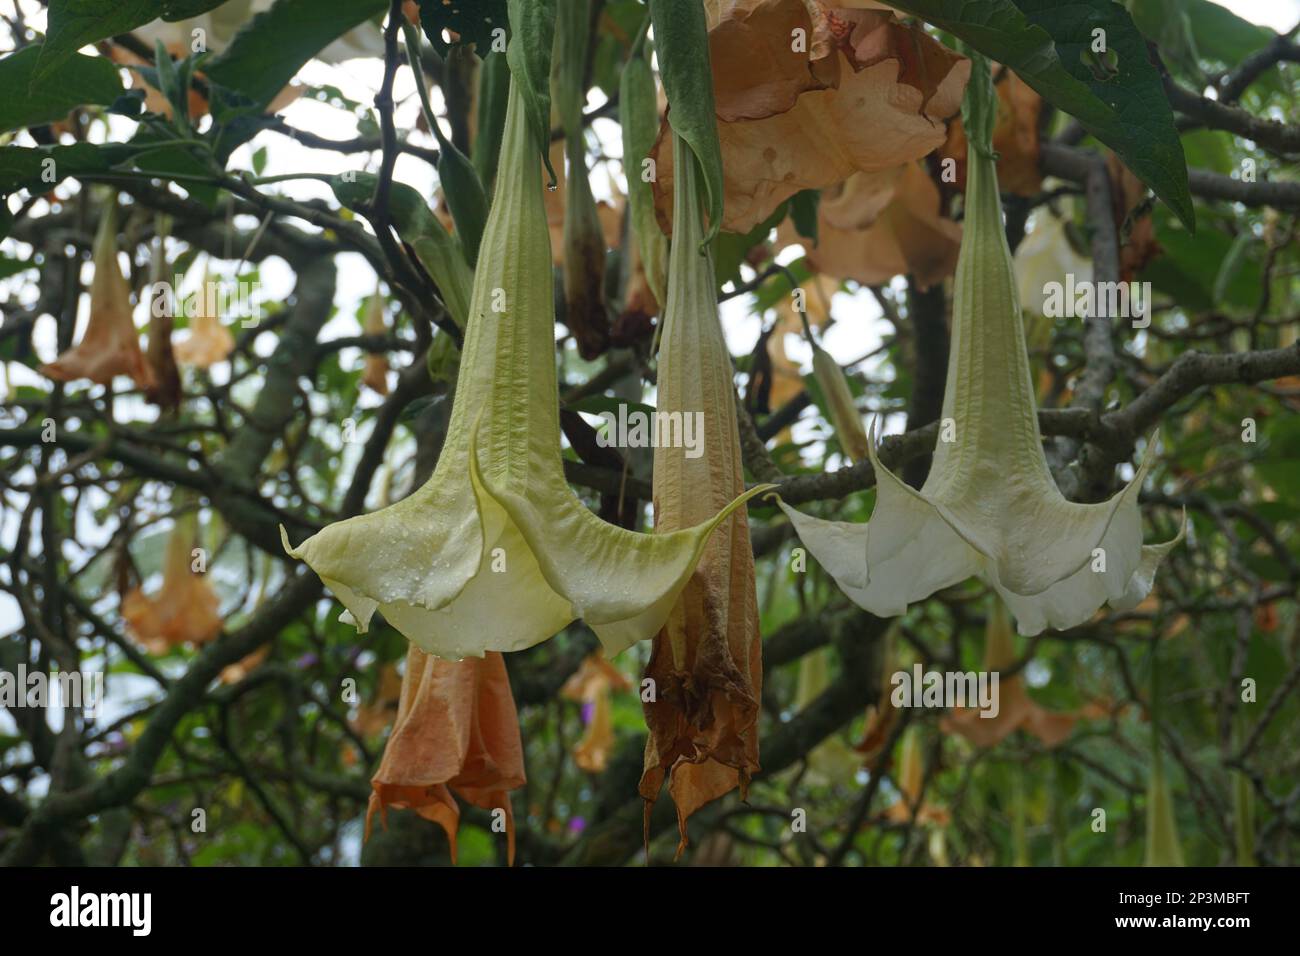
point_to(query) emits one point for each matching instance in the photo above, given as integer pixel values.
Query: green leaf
(82, 80)
(682, 42)
(23, 167)
(165, 161)
(274, 45)
(532, 27)
(76, 23)
(493, 90)
(1118, 96)
(1222, 35)
(803, 212)
(730, 248)
(473, 20)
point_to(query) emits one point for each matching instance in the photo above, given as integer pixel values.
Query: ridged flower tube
(706, 663)
(495, 552)
(990, 507)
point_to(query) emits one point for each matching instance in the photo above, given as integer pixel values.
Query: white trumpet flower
(990, 507)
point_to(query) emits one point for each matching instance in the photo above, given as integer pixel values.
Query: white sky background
(858, 327)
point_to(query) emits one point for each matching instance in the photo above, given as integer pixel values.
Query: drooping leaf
(82, 80)
(274, 45)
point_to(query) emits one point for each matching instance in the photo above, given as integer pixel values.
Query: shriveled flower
(186, 609)
(878, 225)
(989, 507)
(882, 716)
(1016, 709)
(110, 345)
(456, 735)
(864, 93)
(706, 663)
(209, 341)
(495, 552)
(910, 779)
(375, 376)
(234, 673)
(591, 685)
(166, 389)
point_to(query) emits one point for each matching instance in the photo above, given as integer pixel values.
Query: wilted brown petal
(185, 609)
(1016, 709)
(592, 684)
(868, 93)
(456, 735)
(375, 376)
(706, 662)
(883, 224)
(209, 341)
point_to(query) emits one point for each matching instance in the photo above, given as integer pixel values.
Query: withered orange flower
(111, 344)
(209, 341)
(234, 673)
(1015, 138)
(591, 685)
(877, 225)
(706, 661)
(456, 735)
(882, 716)
(166, 389)
(857, 90)
(185, 609)
(1016, 709)
(909, 780)
(375, 376)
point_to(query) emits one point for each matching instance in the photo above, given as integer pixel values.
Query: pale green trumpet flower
(990, 507)
(495, 552)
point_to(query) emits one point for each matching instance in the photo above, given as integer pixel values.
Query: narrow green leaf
(639, 117)
(463, 190)
(493, 90)
(682, 42)
(83, 80)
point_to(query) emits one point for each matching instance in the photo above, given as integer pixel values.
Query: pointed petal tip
(288, 548)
